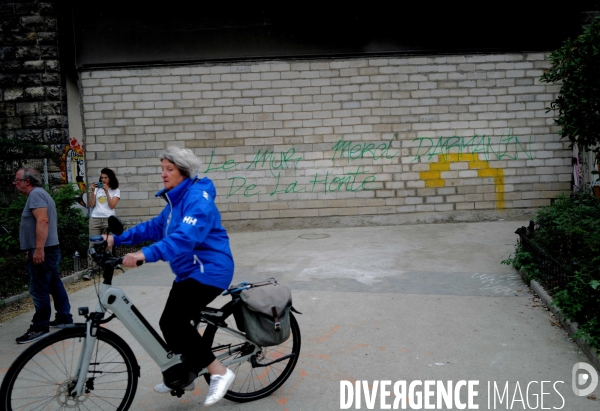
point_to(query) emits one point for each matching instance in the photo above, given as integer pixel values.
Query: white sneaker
(163, 389)
(219, 384)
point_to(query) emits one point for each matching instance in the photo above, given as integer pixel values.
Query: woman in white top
(103, 198)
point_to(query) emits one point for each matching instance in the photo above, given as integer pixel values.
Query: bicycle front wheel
(44, 374)
(271, 368)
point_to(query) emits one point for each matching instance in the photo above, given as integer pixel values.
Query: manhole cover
(314, 236)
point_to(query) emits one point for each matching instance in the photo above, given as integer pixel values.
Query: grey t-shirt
(37, 198)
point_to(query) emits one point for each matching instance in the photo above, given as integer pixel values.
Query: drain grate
(313, 236)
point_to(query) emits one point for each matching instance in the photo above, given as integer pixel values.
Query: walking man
(39, 236)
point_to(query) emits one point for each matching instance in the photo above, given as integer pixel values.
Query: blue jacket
(188, 234)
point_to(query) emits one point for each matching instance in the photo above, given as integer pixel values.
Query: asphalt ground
(398, 303)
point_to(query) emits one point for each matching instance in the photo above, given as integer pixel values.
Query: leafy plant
(570, 229)
(72, 226)
(524, 262)
(72, 233)
(580, 301)
(577, 65)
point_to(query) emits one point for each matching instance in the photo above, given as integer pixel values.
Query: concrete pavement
(398, 303)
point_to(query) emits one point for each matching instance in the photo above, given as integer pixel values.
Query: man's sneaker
(30, 336)
(163, 389)
(87, 276)
(219, 384)
(60, 323)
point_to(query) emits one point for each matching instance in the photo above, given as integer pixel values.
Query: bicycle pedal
(212, 312)
(178, 392)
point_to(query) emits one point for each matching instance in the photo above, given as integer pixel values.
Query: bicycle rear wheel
(253, 383)
(42, 376)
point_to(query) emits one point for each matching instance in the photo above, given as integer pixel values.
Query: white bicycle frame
(114, 299)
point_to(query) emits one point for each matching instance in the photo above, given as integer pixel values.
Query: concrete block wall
(316, 140)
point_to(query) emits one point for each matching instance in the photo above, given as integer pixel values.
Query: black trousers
(186, 299)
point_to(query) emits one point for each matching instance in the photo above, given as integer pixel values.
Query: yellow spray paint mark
(433, 177)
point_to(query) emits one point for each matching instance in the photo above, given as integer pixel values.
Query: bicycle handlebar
(114, 262)
(105, 259)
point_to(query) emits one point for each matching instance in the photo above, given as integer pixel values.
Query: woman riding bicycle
(189, 235)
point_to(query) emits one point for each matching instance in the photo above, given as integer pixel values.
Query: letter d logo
(581, 379)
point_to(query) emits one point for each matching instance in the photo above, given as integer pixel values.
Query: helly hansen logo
(189, 220)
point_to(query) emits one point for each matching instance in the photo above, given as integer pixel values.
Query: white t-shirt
(101, 209)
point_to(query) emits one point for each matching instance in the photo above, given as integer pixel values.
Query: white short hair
(31, 174)
(184, 159)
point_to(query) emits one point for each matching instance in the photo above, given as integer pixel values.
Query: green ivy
(577, 65)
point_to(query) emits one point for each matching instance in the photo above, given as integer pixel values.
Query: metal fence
(49, 170)
(13, 267)
(552, 273)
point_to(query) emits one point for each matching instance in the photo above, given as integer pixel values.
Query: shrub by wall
(569, 229)
(72, 234)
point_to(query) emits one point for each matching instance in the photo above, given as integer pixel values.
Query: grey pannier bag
(266, 311)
